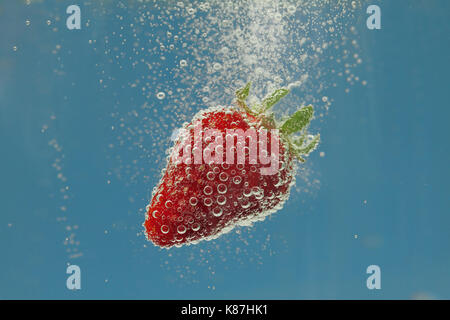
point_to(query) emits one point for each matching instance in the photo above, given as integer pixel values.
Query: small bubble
(259, 195)
(217, 212)
(160, 95)
(181, 229)
(208, 190)
(196, 226)
(168, 204)
(245, 204)
(291, 9)
(210, 175)
(193, 201)
(164, 229)
(221, 200)
(183, 63)
(221, 188)
(237, 179)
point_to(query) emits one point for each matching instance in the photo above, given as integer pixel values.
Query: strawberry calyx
(293, 129)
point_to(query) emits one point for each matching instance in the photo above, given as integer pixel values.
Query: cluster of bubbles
(63, 196)
(182, 56)
(52, 20)
(220, 196)
(179, 57)
(166, 60)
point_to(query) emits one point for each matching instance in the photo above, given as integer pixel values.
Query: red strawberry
(200, 200)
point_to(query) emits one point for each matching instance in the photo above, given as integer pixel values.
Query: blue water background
(385, 143)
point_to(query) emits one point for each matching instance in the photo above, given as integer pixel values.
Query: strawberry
(201, 196)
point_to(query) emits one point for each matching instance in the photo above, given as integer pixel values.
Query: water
(87, 115)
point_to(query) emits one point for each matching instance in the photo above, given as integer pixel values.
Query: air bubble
(193, 201)
(168, 204)
(245, 204)
(255, 190)
(221, 200)
(221, 188)
(217, 212)
(208, 190)
(164, 229)
(181, 229)
(259, 195)
(223, 176)
(208, 202)
(291, 9)
(156, 214)
(190, 220)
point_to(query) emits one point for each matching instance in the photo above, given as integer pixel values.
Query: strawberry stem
(298, 122)
(242, 93)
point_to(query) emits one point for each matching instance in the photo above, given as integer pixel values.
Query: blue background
(385, 143)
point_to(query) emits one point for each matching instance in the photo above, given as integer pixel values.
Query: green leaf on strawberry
(298, 121)
(270, 100)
